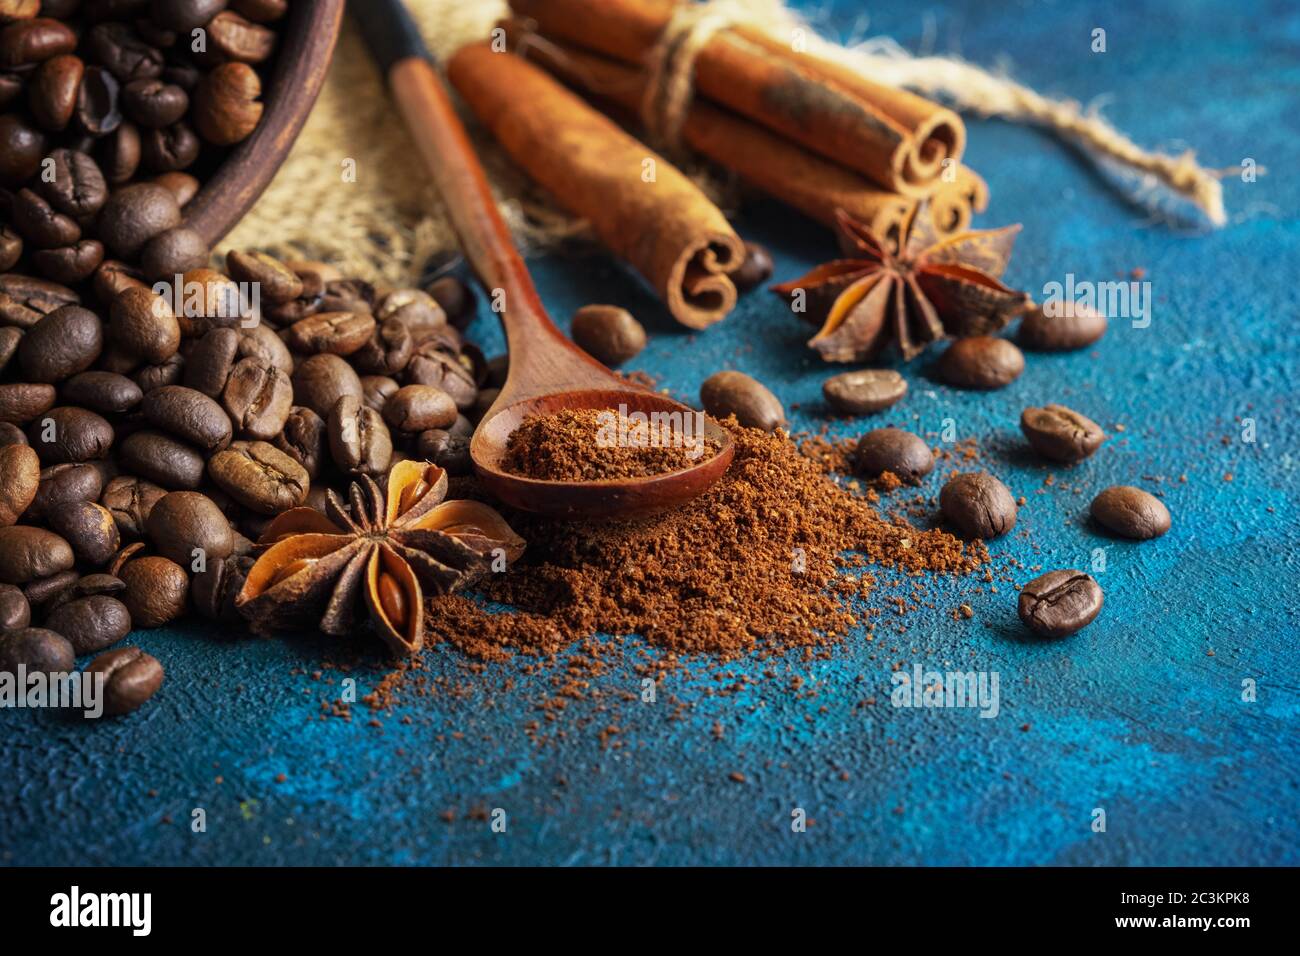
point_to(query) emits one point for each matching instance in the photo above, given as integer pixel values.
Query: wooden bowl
(302, 59)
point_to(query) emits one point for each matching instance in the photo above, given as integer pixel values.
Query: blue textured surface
(1133, 715)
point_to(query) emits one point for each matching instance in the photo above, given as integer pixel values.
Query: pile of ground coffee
(772, 555)
(589, 445)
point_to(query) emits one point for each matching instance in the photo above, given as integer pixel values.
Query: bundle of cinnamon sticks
(800, 128)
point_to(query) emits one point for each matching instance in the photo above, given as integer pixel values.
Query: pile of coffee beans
(112, 113)
(149, 433)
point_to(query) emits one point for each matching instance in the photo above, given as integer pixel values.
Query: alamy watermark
(1115, 300)
(659, 429)
(65, 690)
(950, 689)
(222, 299)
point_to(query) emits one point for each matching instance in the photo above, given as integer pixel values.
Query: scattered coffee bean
(1131, 512)
(37, 650)
(15, 612)
(1060, 433)
(155, 592)
(131, 677)
(20, 402)
(608, 334)
(416, 408)
(278, 283)
(981, 361)
(89, 529)
(70, 434)
(1061, 326)
(226, 108)
(755, 269)
(864, 391)
(105, 392)
(186, 525)
(304, 439)
(61, 484)
(130, 500)
(339, 333)
(90, 624)
(896, 451)
(28, 553)
(1059, 603)
(260, 476)
(977, 505)
(135, 214)
(447, 451)
(359, 441)
(162, 459)
(20, 477)
(735, 393)
(213, 590)
(61, 344)
(258, 397)
(321, 380)
(189, 415)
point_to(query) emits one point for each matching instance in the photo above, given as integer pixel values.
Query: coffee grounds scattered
(568, 446)
(771, 556)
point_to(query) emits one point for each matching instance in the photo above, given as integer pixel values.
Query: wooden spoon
(548, 373)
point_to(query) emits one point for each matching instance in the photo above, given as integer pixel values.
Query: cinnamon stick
(896, 138)
(639, 205)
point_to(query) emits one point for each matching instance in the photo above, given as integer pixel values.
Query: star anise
(382, 549)
(930, 289)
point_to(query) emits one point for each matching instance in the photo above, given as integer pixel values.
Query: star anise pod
(928, 290)
(383, 550)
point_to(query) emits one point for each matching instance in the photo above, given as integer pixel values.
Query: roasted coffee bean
(15, 612)
(28, 553)
(258, 397)
(455, 298)
(977, 505)
(9, 339)
(213, 590)
(130, 501)
(183, 16)
(377, 390)
(388, 350)
(105, 392)
(70, 264)
(52, 92)
(36, 650)
(114, 277)
(865, 391)
(24, 300)
(42, 590)
(1131, 512)
(304, 439)
(61, 344)
(260, 343)
(208, 366)
(188, 414)
(981, 361)
(62, 484)
(149, 377)
(169, 149)
(340, 333)
(70, 434)
(235, 38)
(1059, 603)
(91, 624)
(156, 588)
(359, 441)
(11, 247)
(226, 108)
(608, 333)
(75, 187)
(20, 402)
(433, 365)
(131, 677)
(173, 253)
(154, 102)
(120, 49)
(895, 451)
(185, 524)
(135, 214)
(40, 224)
(735, 393)
(22, 146)
(97, 112)
(277, 282)
(183, 186)
(413, 308)
(1061, 326)
(260, 477)
(416, 408)
(119, 154)
(348, 295)
(162, 459)
(20, 476)
(755, 268)
(11, 434)
(90, 530)
(447, 451)
(27, 42)
(321, 380)
(1060, 433)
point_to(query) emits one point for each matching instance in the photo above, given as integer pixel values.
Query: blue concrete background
(1141, 714)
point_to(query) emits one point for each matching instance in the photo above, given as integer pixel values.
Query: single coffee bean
(40, 591)
(864, 391)
(40, 224)
(895, 451)
(1059, 603)
(359, 440)
(9, 339)
(20, 402)
(92, 623)
(188, 414)
(15, 612)
(340, 333)
(378, 389)
(413, 308)
(348, 295)
(114, 277)
(22, 146)
(1060, 433)
(75, 186)
(62, 484)
(755, 268)
(52, 92)
(321, 380)
(90, 530)
(260, 477)
(258, 398)
(304, 439)
(24, 300)
(447, 451)
(154, 103)
(1061, 326)
(1131, 512)
(149, 377)
(28, 553)
(608, 333)
(135, 214)
(276, 281)
(11, 247)
(131, 677)
(11, 434)
(20, 476)
(735, 393)
(105, 392)
(61, 344)
(981, 361)
(169, 149)
(210, 361)
(123, 52)
(226, 108)
(70, 264)
(36, 650)
(162, 459)
(30, 41)
(173, 253)
(98, 113)
(416, 408)
(70, 434)
(184, 524)
(130, 501)
(432, 364)
(213, 590)
(156, 589)
(235, 38)
(977, 505)
(119, 154)
(262, 343)
(183, 186)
